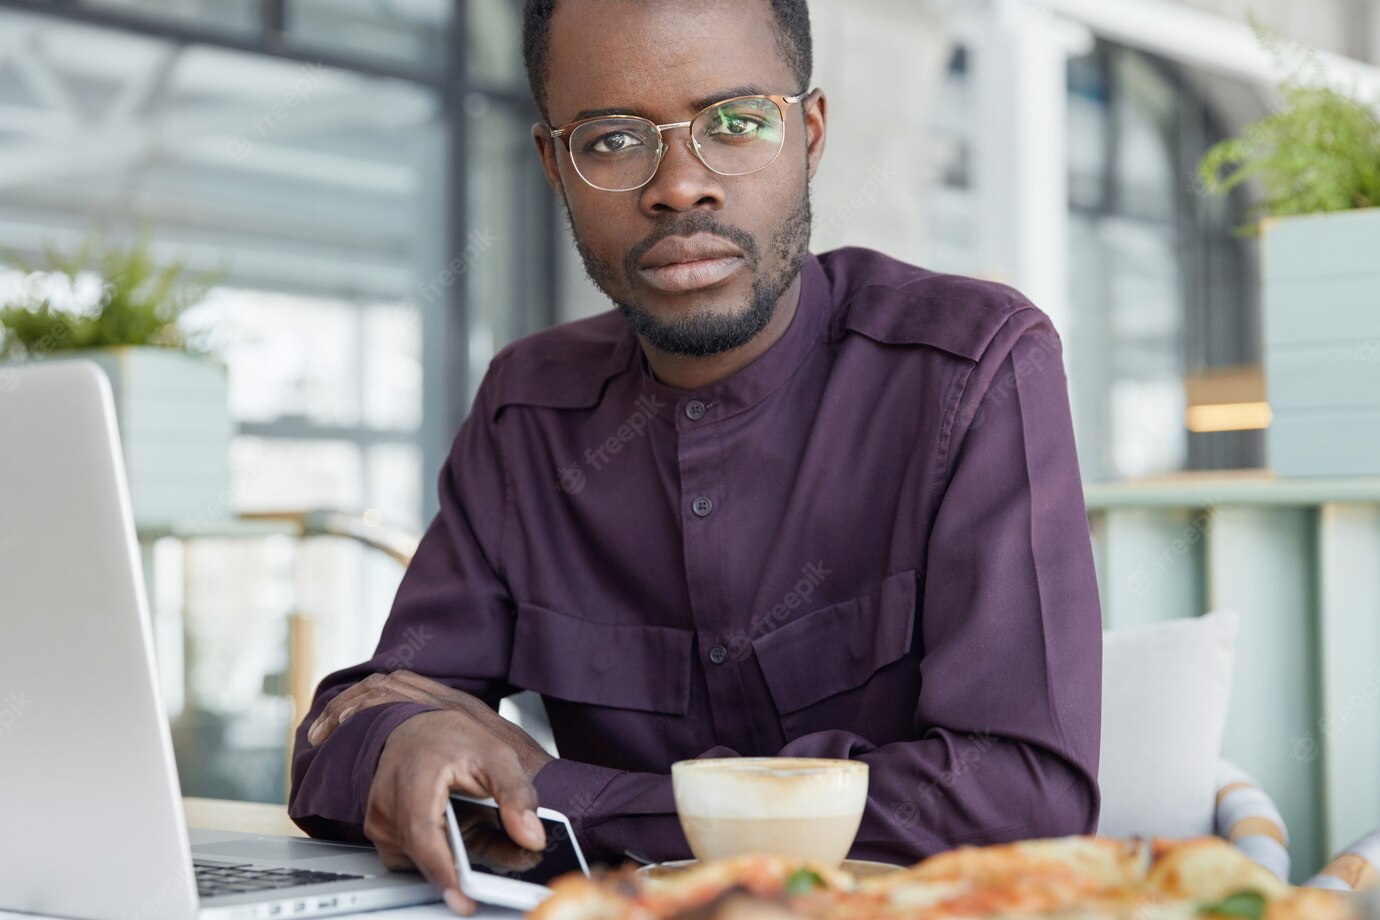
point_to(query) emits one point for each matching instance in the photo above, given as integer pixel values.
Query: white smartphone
(495, 870)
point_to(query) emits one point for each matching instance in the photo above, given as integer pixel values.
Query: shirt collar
(749, 385)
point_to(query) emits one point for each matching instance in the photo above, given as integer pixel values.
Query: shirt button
(718, 654)
(702, 506)
(694, 410)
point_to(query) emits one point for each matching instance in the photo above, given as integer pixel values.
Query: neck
(686, 373)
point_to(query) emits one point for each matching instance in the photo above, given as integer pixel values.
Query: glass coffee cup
(808, 808)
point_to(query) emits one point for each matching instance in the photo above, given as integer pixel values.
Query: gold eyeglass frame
(783, 103)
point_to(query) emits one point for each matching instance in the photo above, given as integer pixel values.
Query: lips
(679, 263)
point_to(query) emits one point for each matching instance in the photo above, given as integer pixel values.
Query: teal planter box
(1322, 343)
(175, 431)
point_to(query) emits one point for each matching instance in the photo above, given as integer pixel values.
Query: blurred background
(353, 184)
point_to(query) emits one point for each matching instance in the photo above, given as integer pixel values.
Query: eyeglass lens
(733, 138)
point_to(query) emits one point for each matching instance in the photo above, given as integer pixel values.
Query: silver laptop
(91, 821)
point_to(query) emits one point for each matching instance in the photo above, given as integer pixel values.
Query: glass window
(289, 357)
(320, 200)
(411, 32)
(952, 243)
(277, 474)
(228, 15)
(1124, 348)
(495, 32)
(1088, 133)
(507, 271)
(1146, 178)
(395, 485)
(1159, 282)
(309, 193)
(393, 368)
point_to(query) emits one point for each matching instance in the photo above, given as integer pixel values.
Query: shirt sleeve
(1008, 720)
(451, 621)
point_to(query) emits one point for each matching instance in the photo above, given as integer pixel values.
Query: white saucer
(859, 868)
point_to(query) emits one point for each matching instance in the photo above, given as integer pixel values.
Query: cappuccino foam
(771, 787)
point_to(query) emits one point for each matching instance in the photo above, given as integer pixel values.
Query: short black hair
(792, 21)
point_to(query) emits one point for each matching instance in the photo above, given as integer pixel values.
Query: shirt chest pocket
(848, 666)
(632, 666)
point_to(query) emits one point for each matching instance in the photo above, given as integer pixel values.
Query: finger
(378, 826)
(338, 713)
(377, 698)
(517, 799)
(327, 724)
(422, 822)
(412, 677)
(457, 902)
(428, 847)
(318, 730)
(434, 688)
(393, 688)
(343, 700)
(394, 859)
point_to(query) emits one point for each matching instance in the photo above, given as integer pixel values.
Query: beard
(709, 332)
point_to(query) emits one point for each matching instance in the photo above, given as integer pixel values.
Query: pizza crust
(1072, 878)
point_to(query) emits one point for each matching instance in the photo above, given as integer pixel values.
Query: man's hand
(466, 748)
(377, 688)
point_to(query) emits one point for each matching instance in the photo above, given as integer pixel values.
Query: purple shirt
(869, 543)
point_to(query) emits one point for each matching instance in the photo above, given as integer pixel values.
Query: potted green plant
(1316, 162)
(113, 305)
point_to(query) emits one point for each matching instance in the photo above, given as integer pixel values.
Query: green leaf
(1318, 152)
(140, 303)
(1249, 904)
(803, 881)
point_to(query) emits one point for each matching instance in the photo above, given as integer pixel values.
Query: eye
(735, 124)
(742, 120)
(613, 142)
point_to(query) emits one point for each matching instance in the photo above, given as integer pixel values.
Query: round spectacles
(620, 153)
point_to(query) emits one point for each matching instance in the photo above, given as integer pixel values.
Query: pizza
(1071, 878)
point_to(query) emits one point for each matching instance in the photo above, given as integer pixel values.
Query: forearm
(951, 789)
(616, 814)
(924, 796)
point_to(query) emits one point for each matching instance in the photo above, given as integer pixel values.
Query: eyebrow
(696, 105)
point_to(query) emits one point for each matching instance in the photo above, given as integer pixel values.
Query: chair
(1246, 816)
(1165, 692)
(1356, 869)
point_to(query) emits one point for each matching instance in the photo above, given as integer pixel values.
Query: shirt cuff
(571, 787)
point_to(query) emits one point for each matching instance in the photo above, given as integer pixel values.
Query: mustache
(687, 224)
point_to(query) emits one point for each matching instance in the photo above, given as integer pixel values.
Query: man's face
(662, 60)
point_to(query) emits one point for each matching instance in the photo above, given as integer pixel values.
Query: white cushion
(1165, 689)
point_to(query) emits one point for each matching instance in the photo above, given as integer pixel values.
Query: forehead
(657, 57)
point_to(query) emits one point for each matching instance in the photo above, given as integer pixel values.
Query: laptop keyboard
(222, 878)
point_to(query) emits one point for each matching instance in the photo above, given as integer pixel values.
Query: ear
(816, 109)
(546, 150)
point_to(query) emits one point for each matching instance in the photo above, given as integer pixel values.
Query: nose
(682, 181)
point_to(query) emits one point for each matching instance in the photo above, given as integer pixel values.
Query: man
(775, 503)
